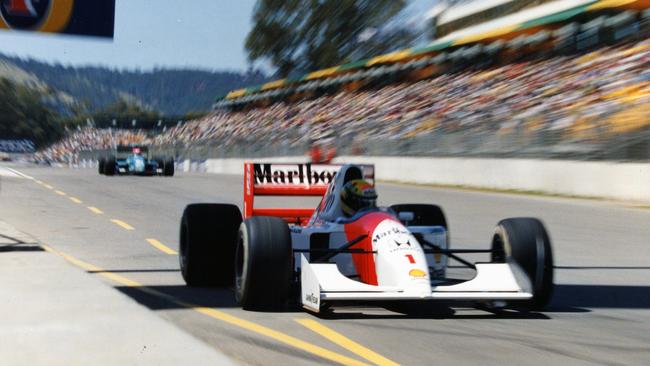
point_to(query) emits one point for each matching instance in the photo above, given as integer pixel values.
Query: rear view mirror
(406, 216)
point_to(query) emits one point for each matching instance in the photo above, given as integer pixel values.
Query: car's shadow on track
(434, 315)
(180, 297)
(567, 298)
(585, 297)
(427, 311)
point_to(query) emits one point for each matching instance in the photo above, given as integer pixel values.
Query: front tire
(168, 168)
(100, 165)
(525, 241)
(208, 238)
(109, 166)
(423, 215)
(263, 264)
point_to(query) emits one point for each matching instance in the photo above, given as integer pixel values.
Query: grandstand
(562, 26)
(464, 14)
(555, 79)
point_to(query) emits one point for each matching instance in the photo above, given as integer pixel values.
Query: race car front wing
(493, 281)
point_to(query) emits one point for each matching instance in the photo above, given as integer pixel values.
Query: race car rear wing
(285, 179)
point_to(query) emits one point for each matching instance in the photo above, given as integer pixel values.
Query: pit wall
(614, 180)
(611, 180)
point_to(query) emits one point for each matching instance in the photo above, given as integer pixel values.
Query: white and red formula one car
(380, 254)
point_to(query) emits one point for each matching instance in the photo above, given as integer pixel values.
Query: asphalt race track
(128, 227)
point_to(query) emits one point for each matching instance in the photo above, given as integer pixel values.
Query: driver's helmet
(357, 194)
(136, 151)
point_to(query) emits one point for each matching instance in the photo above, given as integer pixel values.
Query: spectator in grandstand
(90, 138)
(564, 96)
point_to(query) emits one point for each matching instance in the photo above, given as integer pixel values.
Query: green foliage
(24, 115)
(172, 92)
(315, 34)
(122, 109)
(123, 112)
(192, 115)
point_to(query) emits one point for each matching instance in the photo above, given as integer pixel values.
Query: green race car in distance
(135, 160)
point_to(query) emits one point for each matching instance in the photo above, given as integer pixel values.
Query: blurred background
(565, 79)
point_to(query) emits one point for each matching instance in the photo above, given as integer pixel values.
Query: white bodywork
(403, 274)
(493, 281)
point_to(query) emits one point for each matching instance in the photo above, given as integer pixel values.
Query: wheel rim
(498, 252)
(239, 267)
(183, 248)
(500, 246)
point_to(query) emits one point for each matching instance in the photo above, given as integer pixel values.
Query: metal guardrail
(543, 144)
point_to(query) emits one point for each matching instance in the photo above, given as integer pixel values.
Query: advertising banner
(17, 146)
(79, 17)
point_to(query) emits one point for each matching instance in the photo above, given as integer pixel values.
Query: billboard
(17, 146)
(79, 17)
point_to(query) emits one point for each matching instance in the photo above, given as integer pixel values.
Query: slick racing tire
(168, 169)
(109, 166)
(263, 264)
(208, 238)
(424, 215)
(100, 165)
(526, 242)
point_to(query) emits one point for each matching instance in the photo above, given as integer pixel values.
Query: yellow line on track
(122, 224)
(89, 267)
(278, 336)
(47, 186)
(60, 193)
(75, 200)
(95, 210)
(218, 315)
(162, 247)
(346, 342)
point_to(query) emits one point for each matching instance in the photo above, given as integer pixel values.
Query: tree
(296, 35)
(24, 115)
(381, 41)
(123, 112)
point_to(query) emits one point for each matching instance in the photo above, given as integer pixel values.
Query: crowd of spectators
(555, 93)
(570, 95)
(90, 138)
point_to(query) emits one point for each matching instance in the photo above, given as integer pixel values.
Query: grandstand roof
(531, 18)
(465, 8)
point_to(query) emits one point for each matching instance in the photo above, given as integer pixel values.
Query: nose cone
(139, 163)
(400, 260)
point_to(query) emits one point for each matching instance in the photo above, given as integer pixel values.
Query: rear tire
(109, 166)
(100, 165)
(168, 169)
(428, 215)
(264, 264)
(424, 215)
(208, 238)
(160, 164)
(525, 241)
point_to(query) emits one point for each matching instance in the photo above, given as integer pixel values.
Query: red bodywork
(364, 263)
(365, 225)
(299, 216)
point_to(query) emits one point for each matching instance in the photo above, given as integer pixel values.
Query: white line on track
(19, 173)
